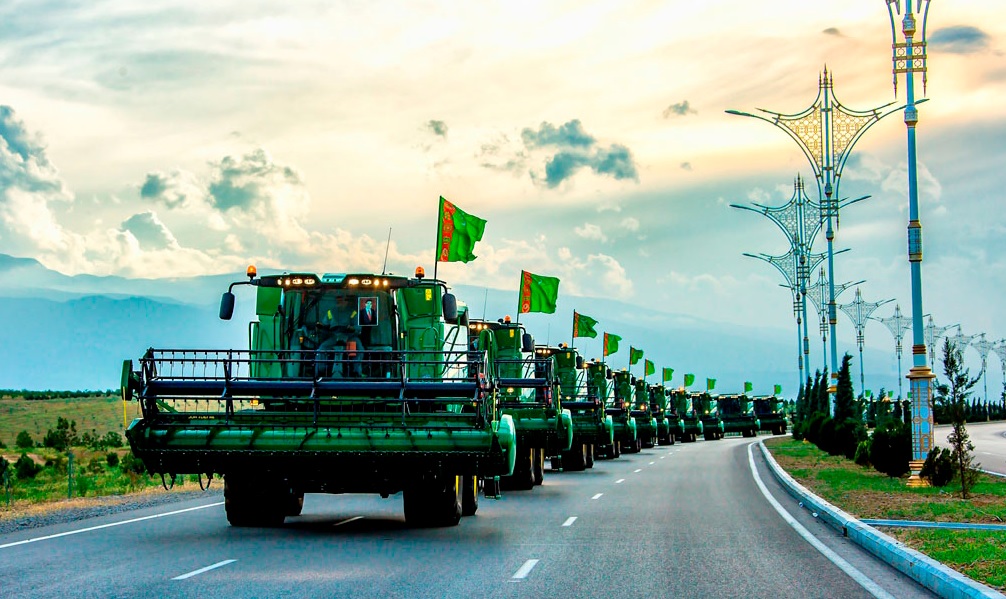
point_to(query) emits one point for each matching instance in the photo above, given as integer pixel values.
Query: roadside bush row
(65, 436)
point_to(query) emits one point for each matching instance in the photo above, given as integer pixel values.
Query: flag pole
(436, 244)
(572, 334)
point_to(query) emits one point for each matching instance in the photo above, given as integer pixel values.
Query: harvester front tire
(538, 465)
(433, 502)
(252, 503)
(588, 461)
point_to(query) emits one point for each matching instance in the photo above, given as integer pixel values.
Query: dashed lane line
(597, 496)
(864, 581)
(109, 525)
(569, 521)
(524, 570)
(637, 470)
(652, 463)
(621, 480)
(206, 569)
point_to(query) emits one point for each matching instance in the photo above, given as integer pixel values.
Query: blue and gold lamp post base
(920, 381)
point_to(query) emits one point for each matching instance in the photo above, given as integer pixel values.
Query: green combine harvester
(591, 426)
(737, 414)
(660, 407)
(353, 383)
(526, 389)
(708, 413)
(771, 412)
(689, 423)
(646, 424)
(626, 434)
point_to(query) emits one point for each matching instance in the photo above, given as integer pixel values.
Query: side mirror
(607, 373)
(227, 306)
(450, 308)
(463, 319)
(526, 343)
(579, 362)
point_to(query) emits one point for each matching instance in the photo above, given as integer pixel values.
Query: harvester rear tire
(709, 435)
(433, 502)
(670, 438)
(253, 503)
(588, 461)
(522, 478)
(294, 503)
(616, 449)
(470, 495)
(574, 460)
(538, 465)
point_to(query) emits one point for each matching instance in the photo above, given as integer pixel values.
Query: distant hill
(65, 332)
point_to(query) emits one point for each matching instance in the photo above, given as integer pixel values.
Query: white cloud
(591, 231)
(630, 224)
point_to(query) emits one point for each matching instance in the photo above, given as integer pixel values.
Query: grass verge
(866, 493)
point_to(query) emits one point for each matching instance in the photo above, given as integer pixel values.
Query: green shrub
(938, 468)
(64, 437)
(111, 440)
(891, 448)
(827, 440)
(112, 459)
(862, 456)
(848, 435)
(26, 468)
(813, 429)
(95, 466)
(83, 485)
(2, 444)
(24, 440)
(131, 463)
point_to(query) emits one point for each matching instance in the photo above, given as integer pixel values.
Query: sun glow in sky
(172, 139)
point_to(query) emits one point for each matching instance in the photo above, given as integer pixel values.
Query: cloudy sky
(179, 138)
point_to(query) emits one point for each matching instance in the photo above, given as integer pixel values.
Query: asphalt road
(989, 439)
(682, 521)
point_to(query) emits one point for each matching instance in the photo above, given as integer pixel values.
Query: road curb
(928, 572)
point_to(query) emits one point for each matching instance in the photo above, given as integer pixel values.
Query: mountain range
(72, 332)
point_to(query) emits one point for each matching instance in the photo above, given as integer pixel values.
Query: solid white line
(347, 521)
(637, 470)
(109, 525)
(621, 480)
(863, 580)
(596, 496)
(569, 521)
(525, 569)
(206, 569)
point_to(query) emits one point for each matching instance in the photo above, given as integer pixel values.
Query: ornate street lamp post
(826, 132)
(984, 347)
(897, 324)
(800, 226)
(818, 294)
(934, 334)
(859, 311)
(909, 57)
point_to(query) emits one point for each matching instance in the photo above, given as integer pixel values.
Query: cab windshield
(364, 315)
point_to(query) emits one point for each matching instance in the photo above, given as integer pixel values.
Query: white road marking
(663, 457)
(206, 569)
(524, 570)
(109, 525)
(863, 580)
(348, 520)
(569, 521)
(596, 496)
(652, 463)
(621, 480)
(637, 470)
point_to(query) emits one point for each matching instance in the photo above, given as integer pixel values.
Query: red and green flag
(457, 233)
(710, 384)
(778, 389)
(635, 355)
(583, 326)
(611, 343)
(538, 293)
(668, 374)
(689, 379)
(748, 387)
(648, 368)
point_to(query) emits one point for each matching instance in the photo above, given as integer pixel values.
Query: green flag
(710, 384)
(648, 368)
(869, 393)
(668, 374)
(611, 343)
(778, 390)
(748, 387)
(538, 293)
(457, 233)
(635, 355)
(909, 395)
(583, 326)
(689, 379)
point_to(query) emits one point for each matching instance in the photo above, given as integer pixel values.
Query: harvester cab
(639, 409)
(662, 414)
(689, 419)
(352, 383)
